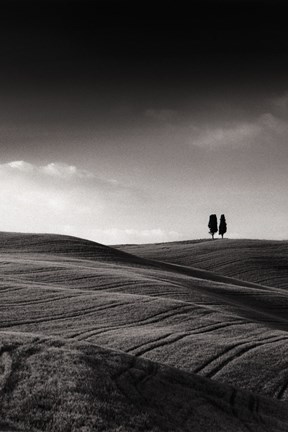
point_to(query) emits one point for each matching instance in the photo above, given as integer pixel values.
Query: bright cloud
(54, 169)
(19, 165)
(65, 171)
(222, 137)
(48, 198)
(241, 134)
(65, 199)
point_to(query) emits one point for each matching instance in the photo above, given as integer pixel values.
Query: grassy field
(260, 261)
(191, 349)
(54, 385)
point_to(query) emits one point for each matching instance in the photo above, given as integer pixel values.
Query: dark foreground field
(183, 336)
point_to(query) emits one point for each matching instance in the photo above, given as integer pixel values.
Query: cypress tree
(222, 226)
(212, 225)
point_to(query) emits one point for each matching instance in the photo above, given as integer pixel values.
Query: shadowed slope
(52, 385)
(259, 261)
(191, 319)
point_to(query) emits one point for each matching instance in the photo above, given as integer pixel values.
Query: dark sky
(120, 45)
(183, 105)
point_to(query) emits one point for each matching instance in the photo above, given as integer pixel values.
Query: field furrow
(228, 330)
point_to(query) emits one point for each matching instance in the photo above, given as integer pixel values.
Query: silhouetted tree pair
(213, 225)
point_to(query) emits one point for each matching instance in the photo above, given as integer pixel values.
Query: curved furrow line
(93, 293)
(174, 338)
(107, 329)
(116, 287)
(47, 286)
(10, 289)
(111, 286)
(247, 347)
(139, 323)
(163, 281)
(91, 311)
(217, 356)
(63, 316)
(160, 316)
(39, 301)
(106, 285)
(280, 338)
(255, 345)
(162, 337)
(211, 327)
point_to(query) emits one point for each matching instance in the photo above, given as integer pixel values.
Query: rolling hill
(199, 350)
(261, 261)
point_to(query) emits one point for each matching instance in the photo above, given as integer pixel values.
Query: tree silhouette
(222, 226)
(212, 225)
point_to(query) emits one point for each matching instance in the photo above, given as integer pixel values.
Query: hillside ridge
(141, 393)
